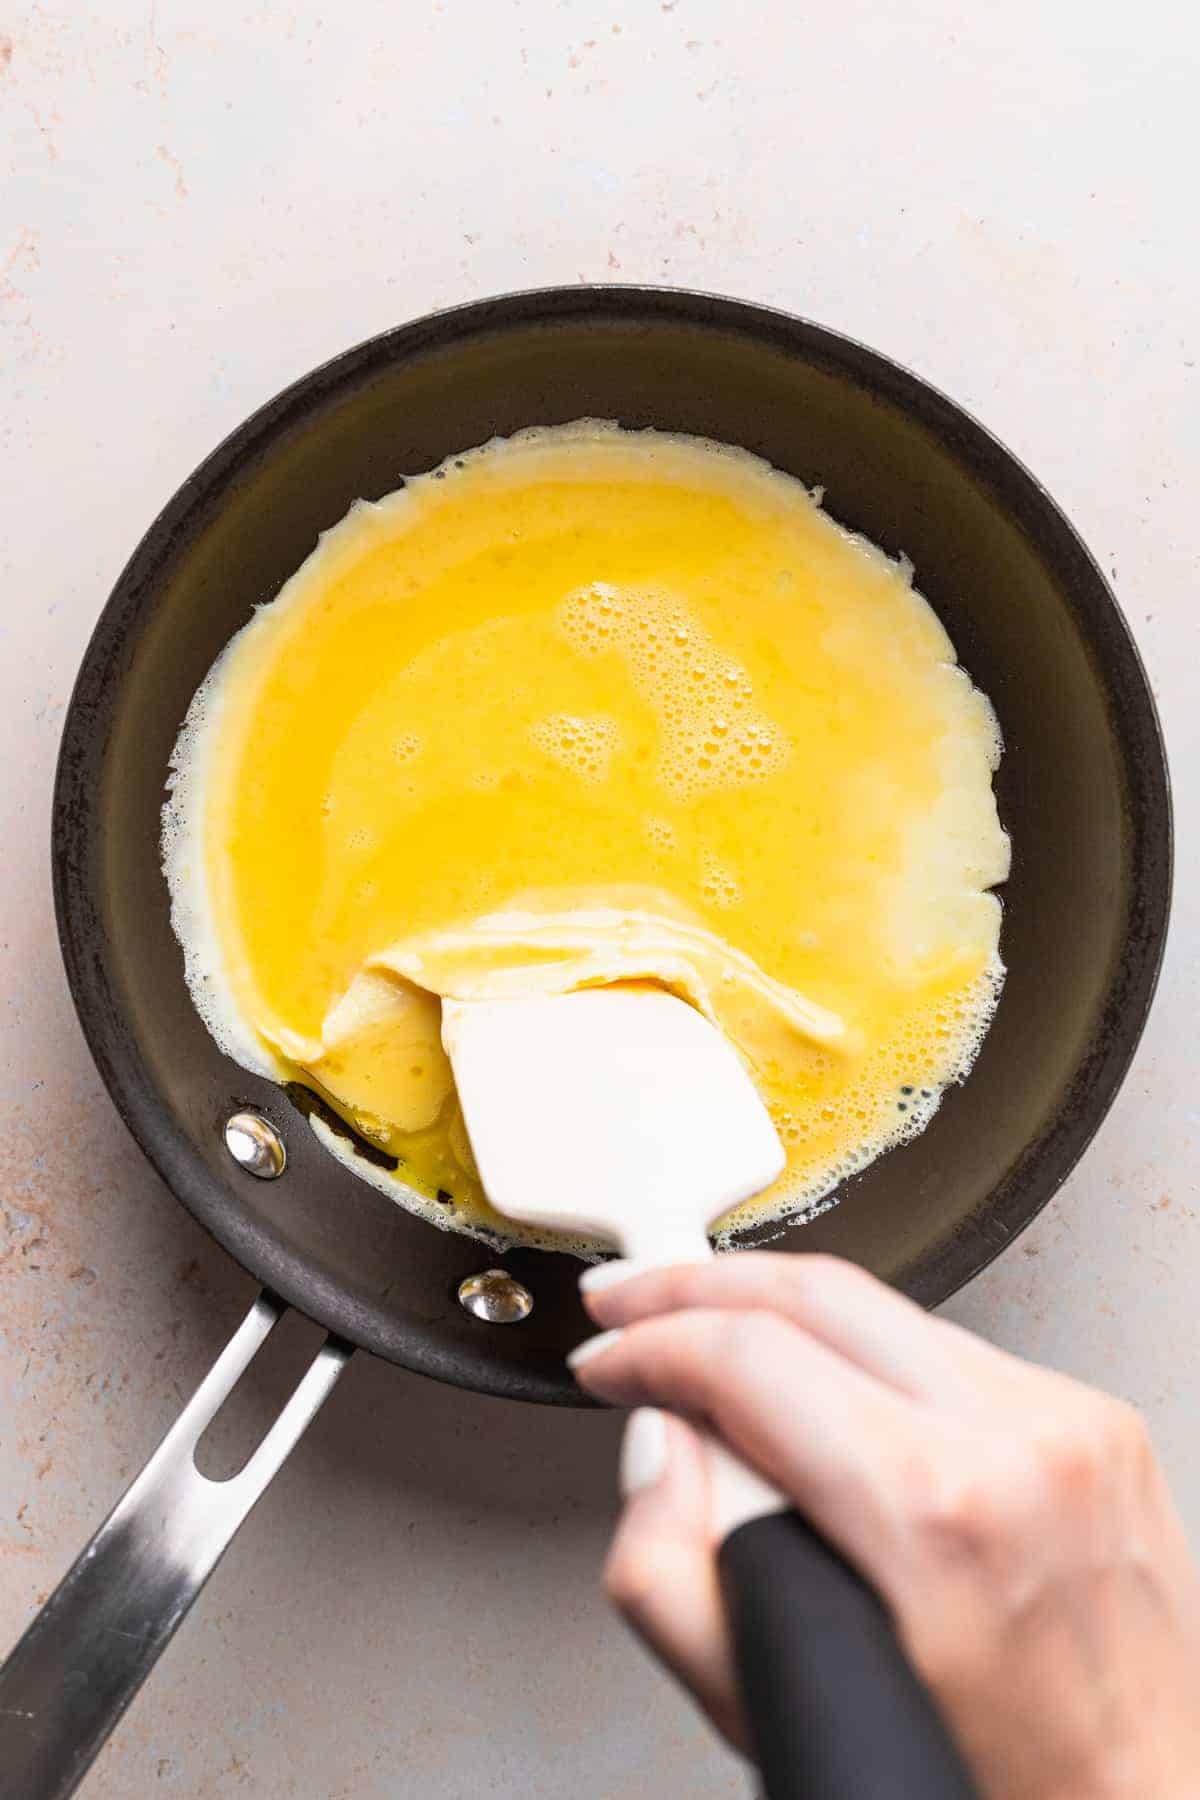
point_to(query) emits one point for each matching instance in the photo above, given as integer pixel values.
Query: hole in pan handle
(86, 1654)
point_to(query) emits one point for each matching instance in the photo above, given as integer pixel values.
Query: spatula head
(613, 1112)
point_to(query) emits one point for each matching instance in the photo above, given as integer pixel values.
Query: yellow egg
(594, 705)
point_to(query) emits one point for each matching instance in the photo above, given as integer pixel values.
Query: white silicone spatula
(612, 1112)
(621, 1113)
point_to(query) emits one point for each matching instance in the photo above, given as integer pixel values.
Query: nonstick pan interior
(1083, 787)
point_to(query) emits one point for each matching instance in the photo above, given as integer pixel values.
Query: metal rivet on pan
(256, 1145)
(495, 1296)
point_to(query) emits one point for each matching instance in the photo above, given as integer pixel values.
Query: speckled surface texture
(196, 205)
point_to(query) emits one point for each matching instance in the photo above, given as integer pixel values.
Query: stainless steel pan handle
(102, 1630)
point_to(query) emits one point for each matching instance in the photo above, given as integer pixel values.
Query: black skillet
(1083, 790)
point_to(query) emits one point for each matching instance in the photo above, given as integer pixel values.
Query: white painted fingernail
(644, 1451)
(609, 1274)
(593, 1346)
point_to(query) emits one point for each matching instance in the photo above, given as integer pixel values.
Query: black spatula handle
(835, 1710)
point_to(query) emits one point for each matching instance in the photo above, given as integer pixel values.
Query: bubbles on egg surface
(406, 746)
(659, 832)
(718, 883)
(712, 735)
(889, 1101)
(582, 744)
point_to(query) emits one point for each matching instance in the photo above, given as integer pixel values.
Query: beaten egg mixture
(588, 705)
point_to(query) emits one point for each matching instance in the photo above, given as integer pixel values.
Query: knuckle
(716, 1362)
(957, 1516)
(1097, 1445)
(700, 1358)
(630, 1579)
(687, 1346)
(1127, 1435)
(744, 1344)
(1066, 1465)
(1089, 1453)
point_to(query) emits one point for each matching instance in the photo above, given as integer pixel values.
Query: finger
(841, 1305)
(661, 1570)
(843, 1446)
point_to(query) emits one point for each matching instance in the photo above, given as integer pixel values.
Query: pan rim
(1039, 1168)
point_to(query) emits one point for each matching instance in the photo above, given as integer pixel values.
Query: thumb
(662, 1572)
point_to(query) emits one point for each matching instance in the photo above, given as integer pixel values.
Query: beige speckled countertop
(197, 203)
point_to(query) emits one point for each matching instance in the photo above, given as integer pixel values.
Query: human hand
(1015, 1522)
